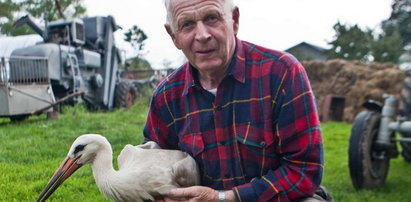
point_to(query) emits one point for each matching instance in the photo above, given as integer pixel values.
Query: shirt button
(223, 143)
(263, 144)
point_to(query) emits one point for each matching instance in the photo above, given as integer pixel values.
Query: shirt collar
(189, 78)
(236, 69)
(237, 65)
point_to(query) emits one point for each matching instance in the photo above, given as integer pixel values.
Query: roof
(10, 43)
(306, 51)
(317, 48)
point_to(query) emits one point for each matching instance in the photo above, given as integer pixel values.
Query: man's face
(205, 32)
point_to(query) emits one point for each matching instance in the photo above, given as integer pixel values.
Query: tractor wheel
(406, 148)
(125, 95)
(18, 118)
(368, 165)
(405, 111)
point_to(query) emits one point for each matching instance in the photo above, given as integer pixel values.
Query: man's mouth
(204, 52)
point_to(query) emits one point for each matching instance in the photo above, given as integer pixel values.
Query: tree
(138, 63)
(388, 48)
(353, 43)
(400, 19)
(7, 10)
(350, 43)
(136, 37)
(36, 8)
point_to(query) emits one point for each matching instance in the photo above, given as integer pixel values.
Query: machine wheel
(125, 95)
(406, 148)
(368, 165)
(405, 111)
(18, 118)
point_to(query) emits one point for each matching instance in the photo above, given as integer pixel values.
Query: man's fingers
(195, 193)
(182, 192)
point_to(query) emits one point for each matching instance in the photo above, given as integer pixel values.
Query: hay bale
(356, 81)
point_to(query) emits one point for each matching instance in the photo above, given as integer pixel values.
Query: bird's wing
(140, 156)
(129, 188)
(185, 172)
(156, 170)
(147, 182)
(128, 155)
(137, 156)
(149, 145)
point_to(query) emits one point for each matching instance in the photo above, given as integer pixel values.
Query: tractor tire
(18, 118)
(368, 165)
(125, 95)
(405, 111)
(406, 149)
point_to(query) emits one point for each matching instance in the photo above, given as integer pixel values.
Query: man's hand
(196, 193)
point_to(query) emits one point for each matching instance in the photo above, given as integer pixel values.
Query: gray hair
(228, 6)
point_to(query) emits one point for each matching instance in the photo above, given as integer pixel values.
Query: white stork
(145, 172)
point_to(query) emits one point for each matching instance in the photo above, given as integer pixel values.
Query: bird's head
(85, 148)
(82, 151)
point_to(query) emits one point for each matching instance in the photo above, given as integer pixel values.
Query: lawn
(31, 150)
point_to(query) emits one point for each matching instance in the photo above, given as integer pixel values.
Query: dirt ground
(354, 81)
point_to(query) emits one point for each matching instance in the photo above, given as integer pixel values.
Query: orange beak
(66, 168)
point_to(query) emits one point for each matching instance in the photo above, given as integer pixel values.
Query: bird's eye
(79, 148)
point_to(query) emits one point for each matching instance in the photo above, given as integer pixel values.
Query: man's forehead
(187, 7)
(175, 4)
(194, 1)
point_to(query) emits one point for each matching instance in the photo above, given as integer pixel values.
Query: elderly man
(245, 113)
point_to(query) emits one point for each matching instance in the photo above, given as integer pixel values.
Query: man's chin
(209, 65)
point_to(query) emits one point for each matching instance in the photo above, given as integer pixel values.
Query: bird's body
(145, 172)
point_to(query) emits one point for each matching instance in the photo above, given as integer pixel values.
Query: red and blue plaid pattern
(259, 136)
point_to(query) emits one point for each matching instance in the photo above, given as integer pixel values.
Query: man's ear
(172, 35)
(236, 19)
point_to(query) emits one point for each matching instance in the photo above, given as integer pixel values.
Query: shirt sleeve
(300, 145)
(156, 128)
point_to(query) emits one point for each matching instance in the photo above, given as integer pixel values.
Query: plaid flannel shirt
(259, 136)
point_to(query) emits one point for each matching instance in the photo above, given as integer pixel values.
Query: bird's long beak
(66, 168)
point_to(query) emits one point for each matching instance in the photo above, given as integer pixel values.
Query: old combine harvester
(76, 62)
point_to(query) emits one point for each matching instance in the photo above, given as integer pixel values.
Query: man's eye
(186, 25)
(211, 19)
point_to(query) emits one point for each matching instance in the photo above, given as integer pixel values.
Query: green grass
(336, 175)
(31, 150)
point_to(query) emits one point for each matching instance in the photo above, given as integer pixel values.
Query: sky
(271, 23)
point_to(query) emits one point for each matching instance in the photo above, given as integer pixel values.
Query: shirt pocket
(192, 143)
(257, 146)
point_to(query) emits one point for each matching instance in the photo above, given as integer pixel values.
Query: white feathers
(145, 171)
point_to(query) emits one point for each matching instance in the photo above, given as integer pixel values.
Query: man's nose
(202, 32)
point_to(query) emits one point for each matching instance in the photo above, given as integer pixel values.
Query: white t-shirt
(213, 91)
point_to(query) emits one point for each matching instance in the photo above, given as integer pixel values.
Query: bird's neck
(103, 165)
(104, 174)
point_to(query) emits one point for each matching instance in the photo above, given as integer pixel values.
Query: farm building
(306, 51)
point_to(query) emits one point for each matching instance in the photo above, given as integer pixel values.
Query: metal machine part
(76, 55)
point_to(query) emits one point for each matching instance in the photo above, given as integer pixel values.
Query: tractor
(376, 132)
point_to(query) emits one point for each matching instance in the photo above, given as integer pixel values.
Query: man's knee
(321, 195)
(315, 198)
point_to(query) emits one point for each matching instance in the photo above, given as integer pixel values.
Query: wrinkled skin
(205, 31)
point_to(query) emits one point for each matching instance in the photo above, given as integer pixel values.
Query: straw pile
(355, 81)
